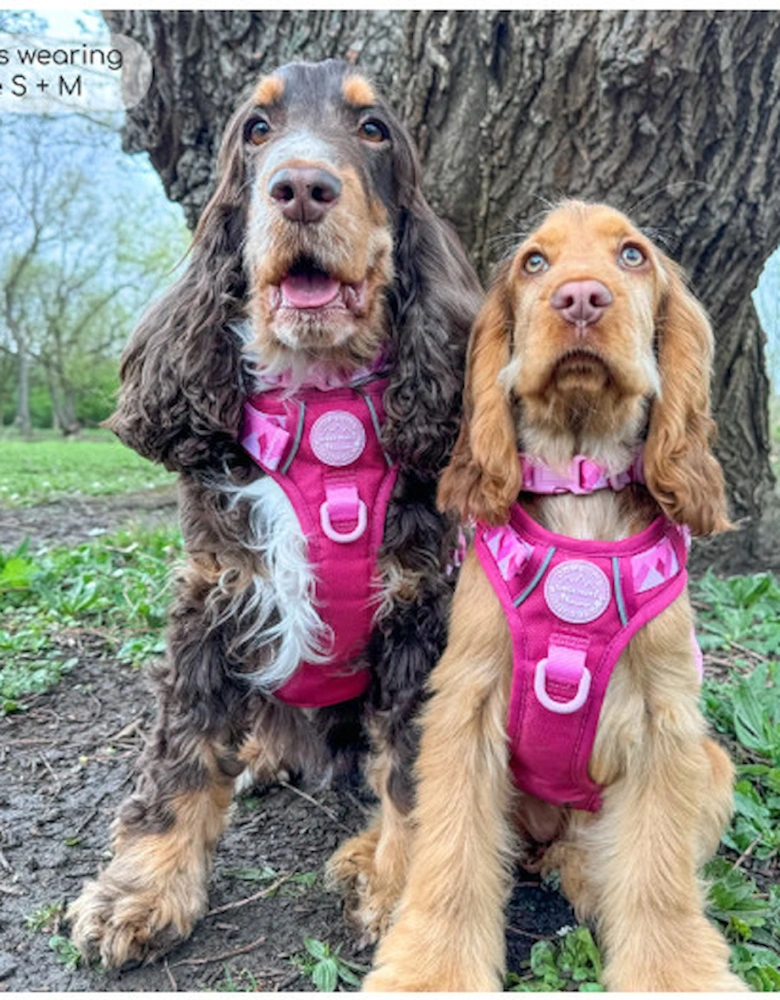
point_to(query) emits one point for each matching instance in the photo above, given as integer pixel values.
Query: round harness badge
(576, 591)
(337, 438)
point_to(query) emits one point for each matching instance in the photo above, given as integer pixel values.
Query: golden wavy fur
(638, 372)
(592, 393)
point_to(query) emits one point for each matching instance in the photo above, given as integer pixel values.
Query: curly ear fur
(483, 477)
(680, 469)
(181, 395)
(433, 301)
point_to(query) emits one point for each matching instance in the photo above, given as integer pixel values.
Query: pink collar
(582, 476)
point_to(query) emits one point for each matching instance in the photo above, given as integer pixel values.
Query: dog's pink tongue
(309, 291)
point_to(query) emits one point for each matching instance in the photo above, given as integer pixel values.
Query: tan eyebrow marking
(269, 89)
(358, 91)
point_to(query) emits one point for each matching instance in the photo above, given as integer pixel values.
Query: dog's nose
(304, 194)
(581, 302)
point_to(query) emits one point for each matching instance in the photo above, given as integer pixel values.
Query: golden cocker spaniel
(566, 706)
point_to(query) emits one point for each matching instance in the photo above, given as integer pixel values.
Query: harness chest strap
(571, 606)
(323, 448)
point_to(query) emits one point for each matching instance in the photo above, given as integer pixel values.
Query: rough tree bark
(672, 116)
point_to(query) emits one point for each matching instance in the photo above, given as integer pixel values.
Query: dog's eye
(535, 262)
(632, 256)
(372, 130)
(257, 131)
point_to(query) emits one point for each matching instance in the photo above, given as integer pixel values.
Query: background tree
(82, 250)
(671, 116)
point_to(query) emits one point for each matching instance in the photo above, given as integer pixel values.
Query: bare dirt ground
(68, 761)
(82, 519)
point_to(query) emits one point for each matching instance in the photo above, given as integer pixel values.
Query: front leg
(370, 869)
(651, 914)
(155, 888)
(647, 839)
(409, 637)
(449, 931)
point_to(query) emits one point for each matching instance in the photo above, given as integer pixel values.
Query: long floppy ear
(483, 477)
(680, 469)
(432, 304)
(181, 394)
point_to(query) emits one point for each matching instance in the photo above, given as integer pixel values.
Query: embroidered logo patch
(577, 591)
(337, 438)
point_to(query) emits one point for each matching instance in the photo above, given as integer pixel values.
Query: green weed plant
(570, 961)
(741, 616)
(326, 968)
(45, 918)
(242, 981)
(116, 590)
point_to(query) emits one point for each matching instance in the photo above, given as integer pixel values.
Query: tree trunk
(23, 421)
(673, 117)
(63, 402)
(66, 416)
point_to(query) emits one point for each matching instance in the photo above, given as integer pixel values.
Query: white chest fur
(282, 605)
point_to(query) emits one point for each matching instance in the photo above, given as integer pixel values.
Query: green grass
(116, 590)
(740, 616)
(242, 981)
(49, 468)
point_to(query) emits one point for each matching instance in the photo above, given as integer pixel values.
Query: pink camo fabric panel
(654, 567)
(264, 436)
(509, 551)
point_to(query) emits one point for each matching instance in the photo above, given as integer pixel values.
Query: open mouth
(308, 286)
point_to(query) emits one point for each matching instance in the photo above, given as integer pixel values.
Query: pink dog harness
(572, 606)
(323, 447)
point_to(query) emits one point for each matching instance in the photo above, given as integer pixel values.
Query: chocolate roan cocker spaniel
(304, 377)
(566, 707)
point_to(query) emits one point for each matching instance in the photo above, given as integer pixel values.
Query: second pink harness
(572, 606)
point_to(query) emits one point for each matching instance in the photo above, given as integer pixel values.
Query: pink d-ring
(560, 707)
(345, 537)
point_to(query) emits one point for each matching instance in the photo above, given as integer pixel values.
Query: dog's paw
(729, 983)
(569, 861)
(369, 888)
(428, 952)
(420, 977)
(388, 979)
(699, 965)
(120, 925)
